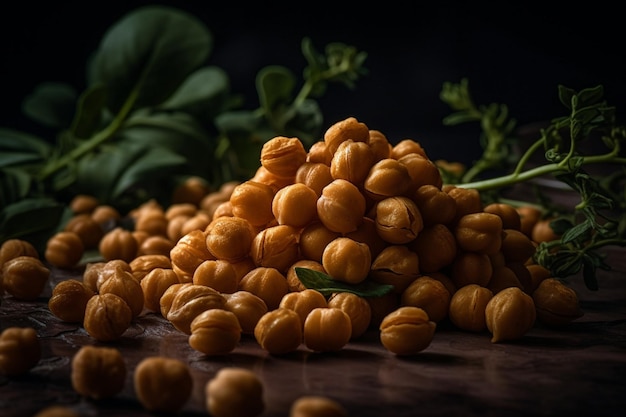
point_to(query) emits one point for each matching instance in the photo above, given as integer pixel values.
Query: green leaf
(51, 104)
(14, 140)
(14, 185)
(275, 85)
(150, 51)
(326, 285)
(89, 113)
(575, 233)
(17, 220)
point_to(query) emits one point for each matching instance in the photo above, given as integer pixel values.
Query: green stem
(95, 141)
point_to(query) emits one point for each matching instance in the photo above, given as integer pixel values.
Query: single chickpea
(430, 295)
(229, 238)
(282, 156)
(407, 146)
(162, 384)
(165, 303)
(387, 178)
(88, 230)
(303, 302)
(107, 317)
(191, 191)
(153, 222)
(556, 303)
(467, 201)
(154, 285)
(105, 270)
(435, 205)
(98, 372)
(510, 314)
(316, 406)
(479, 232)
(106, 215)
(20, 350)
(141, 265)
(183, 209)
(83, 203)
(435, 246)
(24, 277)
(293, 281)
(327, 329)
(349, 128)
(269, 284)
(119, 243)
(175, 227)
(69, 300)
(223, 210)
(352, 161)
(156, 245)
(276, 182)
(529, 216)
(537, 274)
(398, 220)
(467, 307)
(313, 240)
(248, 308)
(356, 307)
(407, 331)
(295, 205)
(217, 274)
(200, 220)
(341, 206)
(347, 260)
(511, 218)
(124, 285)
(516, 246)
(422, 171)
(381, 148)
(471, 268)
(12, 248)
(215, 332)
(252, 200)
(189, 302)
(279, 331)
(57, 411)
(319, 153)
(234, 392)
(188, 253)
(503, 277)
(64, 249)
(276, 247)
(396, 265)
(315, 175)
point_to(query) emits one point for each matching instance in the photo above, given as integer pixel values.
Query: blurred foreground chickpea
(20, 350)
(13, 248)
(98, 372)
(24, 277)
(317, 406)
(57, 411)
(162, 384)
(510, 314)
(234, 392)
(407, 331)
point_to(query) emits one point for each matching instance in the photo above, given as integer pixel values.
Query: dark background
(512, 54)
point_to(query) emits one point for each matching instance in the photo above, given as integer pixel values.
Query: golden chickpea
(184, 209)
(269, 284)
(422, 171)
(347, 260)
(189, 252)
(175, 227)
(327, 329)
(189, 302)
(154, 285)
(302, 302)
(314, 175)
(162, 384)
(100, 272)
(407, 146)
(295, 205)
(430, 295)
(381, 148)
(242, 267)
(191, 191)
(316, 406)
(107, 317)
(155, 245)
(293, 281)
(283, 156)
(521, 271)
(165, 303)
(217, 274)
(556, 303)
(210, 203)
(153, 222)
(279, 331)
(252, 200)
(319, 153)
(124, 285)
(69, 300)
(20, 350)
(12, 248)
(435, 246)
(407, 331)
(24, 277)
(467, 200)
(313, 240)
(234, 392)
(508, 213)
(229, 238)
(105, 215)
(119, 243)
(479, 232)
(83, 203)
(537, 274)
(349, 128)
(57, 411)
(98, 372)
(223, 210)
(143, 264)
(467, 307)
(64, 249)
(341, 206)
(215, 332)
(396, 265)
(275, 182)
(352, 161)
(387, 178)
(200, 221)
(88, 230)
(398, 220)
(356, 307)
(510, 314)
(248, 308)
(471, 268)
(516, 246)
(529, 216)
(276, 247)
(435, 205)
(503, 277)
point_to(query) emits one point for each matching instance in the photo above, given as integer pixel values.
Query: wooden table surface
(579, 369)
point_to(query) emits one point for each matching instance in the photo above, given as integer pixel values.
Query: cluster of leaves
(154, 113)
(597, 220)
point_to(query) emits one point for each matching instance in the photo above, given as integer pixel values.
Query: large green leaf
(89, 112)
(16, 141)
(16, 220)
(149, 52)
(275, 85)
(14, 185)
(51, 104)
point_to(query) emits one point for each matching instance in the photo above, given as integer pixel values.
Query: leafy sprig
(597, 220)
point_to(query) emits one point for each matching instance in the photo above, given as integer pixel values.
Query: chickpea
(503, 277)
(436, 247)
(242, 267)
(556, 303)
(407, 331)
(516, 246)
(223, 210)
(327, 329)
(529, 216)
(88, 230)
(229, 238)
(341, 206)
(511, 218)
(352, 161)
(471, 268)
(407, 146)
(387, 178)
(69, 300)
(275, 182)
(118, 244)
(154, 285)
(184, 209)
(252, 200)
(381, 148)
(162, 384)
(215, 332)
(317, 406)
(248, 308)
(234, 392)
(175, 227)
(83, 203)
(537, 274)
(293, 281)
(295, 205)
(396, 265)
(98, 372)
(356, 307)
(510, 314)
(106, 215)
(479, 232)
(57, 411)
(64, 249)
(430, 295)
(276, 247)
(191, 191)
(107, 317)
(217, 274)
(349, 128)
(467, 201)
(20, 350)
(303, 302)
(467, 307)
(422, 171)
(279, 331)
(267, 283)
(366, 233)
(188, 253)
(141, 265)
(165, 303)
(283, 156)
(12, 248)
(435, 205)
(97, 273)
(189, 302)
(319, 153)
(398, 220)
(315, 175)
(155, 245)
(24, 277)
(543, 232)
(152, 222)
(124, 285)
(347, 260)
(313, 240)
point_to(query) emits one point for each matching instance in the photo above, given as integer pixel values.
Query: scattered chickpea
(119, 243)
(279, 331)
(69, 300)
(107, 317)
(24, 277)
(317, 406)
(327, 329)
(510, 314)
(98, 372)
(215, 332)
(303, 302)
(20, 350)
(189, 301)
(467, 307)
(162, 384)
(556, 303)
(57, 411)
(356, 307)
(234, 392)
(269, 284)
(407, 331)
(64, 249)
(13, 248)
(248, 308)
(430, 295)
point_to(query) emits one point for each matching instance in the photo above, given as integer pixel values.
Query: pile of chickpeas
(222, 264)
